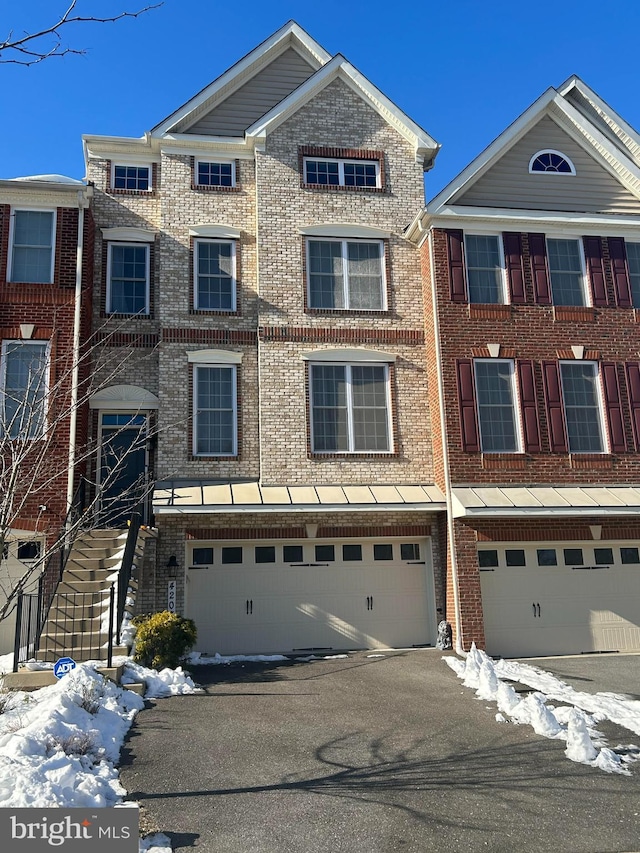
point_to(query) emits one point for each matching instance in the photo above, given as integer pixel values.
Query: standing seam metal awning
(541, 501)
(179, 496)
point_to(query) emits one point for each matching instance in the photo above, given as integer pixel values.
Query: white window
(567, 272)
(131, 177)
(214, 410)
(32, 242)
(582, 400)
(24, 374)
(496, 397)
(346, 274)
(215, 275)
(341, 173)
(633, 260)
(350, 408)
(551, 162)
(215, 174)
(128, 278)
(485, 268)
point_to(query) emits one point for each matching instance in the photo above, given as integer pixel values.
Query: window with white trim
(33, 237)
(24, 374)
(215, 174)
(567, 272)
(214, 275)
(496, 398)
(128, 278)
(215, 415)
(551, 162)
(633, 261)
(325, 172)
(582, 400)
(346, 274)
(485, 268)
(350, 408)
(131, 177)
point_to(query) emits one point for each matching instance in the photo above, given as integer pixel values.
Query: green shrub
(163, 639)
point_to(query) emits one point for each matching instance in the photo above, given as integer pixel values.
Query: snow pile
(197, 658)
(159, 685)
(157, 843)
(575, 722)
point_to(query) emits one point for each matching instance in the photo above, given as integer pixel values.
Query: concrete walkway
(364, 755)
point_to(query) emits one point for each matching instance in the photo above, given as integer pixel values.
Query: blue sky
(462, 70)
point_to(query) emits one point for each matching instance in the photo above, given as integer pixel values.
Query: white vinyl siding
(24, 374)
(32, 246)
(496, 396)
(346, 274)
(582, 399)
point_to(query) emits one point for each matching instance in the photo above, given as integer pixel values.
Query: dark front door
(123, 467)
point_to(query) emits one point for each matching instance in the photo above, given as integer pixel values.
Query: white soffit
(544, 501)
(201, 497)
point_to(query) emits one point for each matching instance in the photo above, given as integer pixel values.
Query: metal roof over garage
(507, 501)
(199, 496)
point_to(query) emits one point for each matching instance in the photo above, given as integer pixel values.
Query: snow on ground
(575, 721)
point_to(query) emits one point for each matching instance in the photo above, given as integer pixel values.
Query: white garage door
(282, 597)
(560, 598)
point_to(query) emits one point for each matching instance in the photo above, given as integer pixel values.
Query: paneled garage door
(282, 597)
(560, 598)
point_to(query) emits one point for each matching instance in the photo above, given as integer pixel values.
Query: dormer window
(551, 162)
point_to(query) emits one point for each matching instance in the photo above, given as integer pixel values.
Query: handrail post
(16, 643)
(111, 615)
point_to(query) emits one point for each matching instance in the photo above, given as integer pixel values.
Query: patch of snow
(334, 657)
(500, 718)
(376, 656)
(579, 745)
(159, 685)
(196, 658)
(158, 843)
(51, 179)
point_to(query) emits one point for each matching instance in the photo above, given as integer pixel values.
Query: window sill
(117, 191)
(342, 188)
(212, 312)
(232, 457)
(489, 312)
(356, 455)
(504, 461)
(574, 313)
(348, 312)
(584, 461)
(115, 315)
(208, 188)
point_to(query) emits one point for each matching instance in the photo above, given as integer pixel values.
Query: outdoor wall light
(172, 566)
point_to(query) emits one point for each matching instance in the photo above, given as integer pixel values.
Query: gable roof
(607, 138)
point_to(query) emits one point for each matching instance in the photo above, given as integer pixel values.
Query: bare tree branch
(31, 48)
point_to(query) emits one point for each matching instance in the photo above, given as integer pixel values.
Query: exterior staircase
(82, 621)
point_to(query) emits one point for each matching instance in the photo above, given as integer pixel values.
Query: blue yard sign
(62, 666)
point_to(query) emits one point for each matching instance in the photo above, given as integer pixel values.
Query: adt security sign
(62, 666)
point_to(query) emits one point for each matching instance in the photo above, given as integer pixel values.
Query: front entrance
(123, 466)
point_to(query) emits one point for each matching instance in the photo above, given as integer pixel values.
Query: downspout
(445, 456)
(258, 149)
(75, 372)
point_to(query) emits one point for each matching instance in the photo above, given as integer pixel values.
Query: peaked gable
(509, 184)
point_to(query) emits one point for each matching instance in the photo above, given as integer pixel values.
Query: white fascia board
(249, 509)
(459, 511)
(492, 152)
(245, 68)
(587, 92)
(462, 216)
(340, 67)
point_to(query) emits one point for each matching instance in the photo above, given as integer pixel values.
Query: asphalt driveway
(365, 755)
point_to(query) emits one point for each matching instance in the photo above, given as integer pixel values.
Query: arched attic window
(551, 162)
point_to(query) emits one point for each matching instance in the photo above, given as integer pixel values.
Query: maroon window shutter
(633, 386)
(540, 269)
(512, 243)
(467, 398)
(595, 270)
(555, 407)
(620, 272)
(455, 255)
(614, 407)
(529, 406)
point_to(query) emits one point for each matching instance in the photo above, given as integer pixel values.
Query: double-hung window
(496, 398)
(485, 268)
(341, 173)
(215, 410)
(209, 174)
(32, 246)
(566, 270)
(133, 178)
(350, 408)
(633, 260)
(24, 375)
(582, 406)
(215, 275)
(346, 275)
(128, 278)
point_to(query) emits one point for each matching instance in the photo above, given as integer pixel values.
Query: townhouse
(531, 261)
(270, 326)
